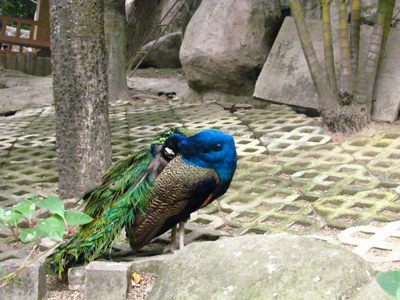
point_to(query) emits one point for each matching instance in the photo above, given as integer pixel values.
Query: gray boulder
(164, 54)
(280, 266)
(226, 43)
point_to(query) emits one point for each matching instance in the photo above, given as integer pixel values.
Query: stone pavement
(290, 178)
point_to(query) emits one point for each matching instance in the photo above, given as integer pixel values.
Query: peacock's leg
(181, 234)
(173, 246)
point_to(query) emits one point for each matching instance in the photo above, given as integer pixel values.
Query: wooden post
(42, 15)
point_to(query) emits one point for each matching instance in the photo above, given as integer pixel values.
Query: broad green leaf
(34, 198)
(53, 204)
(77, 218)
(398, 293)
(389, 281)
(31, 234)
(8, 216)
(53, 227)
(27, 208)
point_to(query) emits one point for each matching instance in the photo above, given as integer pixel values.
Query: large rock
(226, 43)
(164, 54)
(277, 266)
(286, 79)
(143, 16)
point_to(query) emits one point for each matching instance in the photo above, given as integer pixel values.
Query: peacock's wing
(180, 190)
(126, 191)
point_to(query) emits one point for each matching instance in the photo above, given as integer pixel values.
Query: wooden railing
(40, 40)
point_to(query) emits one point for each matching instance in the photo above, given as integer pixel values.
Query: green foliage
(19, 8)
(390, 282)
(53, 227)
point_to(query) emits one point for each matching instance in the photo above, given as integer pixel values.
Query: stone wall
(28, 63)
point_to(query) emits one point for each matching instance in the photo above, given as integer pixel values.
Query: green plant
(3, 85)
(390, 282)
(57, 227)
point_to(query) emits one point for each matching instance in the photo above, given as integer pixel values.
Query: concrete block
(11, 61)
(2, 61)
(21, 62)
(30, 61)
(76, 279)
(107, 280)
(32, 278)
(48, 67)
(40, 66)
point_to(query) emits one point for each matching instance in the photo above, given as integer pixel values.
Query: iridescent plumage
(151, 191)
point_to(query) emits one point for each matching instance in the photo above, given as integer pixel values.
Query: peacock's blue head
(209, 149)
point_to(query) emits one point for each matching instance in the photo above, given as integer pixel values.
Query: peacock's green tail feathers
(112, 208)
(125, 192)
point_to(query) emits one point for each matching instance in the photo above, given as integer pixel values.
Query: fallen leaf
(136, 277)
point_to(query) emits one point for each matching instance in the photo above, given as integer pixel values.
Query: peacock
(151, 191)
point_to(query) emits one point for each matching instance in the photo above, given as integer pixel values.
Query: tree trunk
(355, 37)
(328, 45)
(366, 78)
(336, 117)
(80, 94)
(346, 76)
(114, 28)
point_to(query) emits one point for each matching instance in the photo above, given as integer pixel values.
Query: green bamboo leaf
(389, 281)
(77, 218)
(9, 216)
(26, 208)
(31, 234)
(53, 227)
(53, 204)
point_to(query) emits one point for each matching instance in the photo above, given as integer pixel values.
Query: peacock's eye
(215, 148)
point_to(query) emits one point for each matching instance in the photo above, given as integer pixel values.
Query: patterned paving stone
(249, 191)
(212, 123)
(246, 147)
(6, 142)
(282, 124)
(12, 128)
(320, 158)
(141, 132)
(342, 179)
(135, 119)
(36, 171)
(299, 138)
(374, 244)
(30, 156)
(272, 113)
(241, 131)
(290, 218)
(362, 208)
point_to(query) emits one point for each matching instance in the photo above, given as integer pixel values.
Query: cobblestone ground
(290, 178)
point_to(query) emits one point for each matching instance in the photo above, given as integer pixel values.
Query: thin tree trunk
(346, 76)
(114, 28)
(328, 45)
(327, 100)
(355, 36)
(80, 94)
(366, 79)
